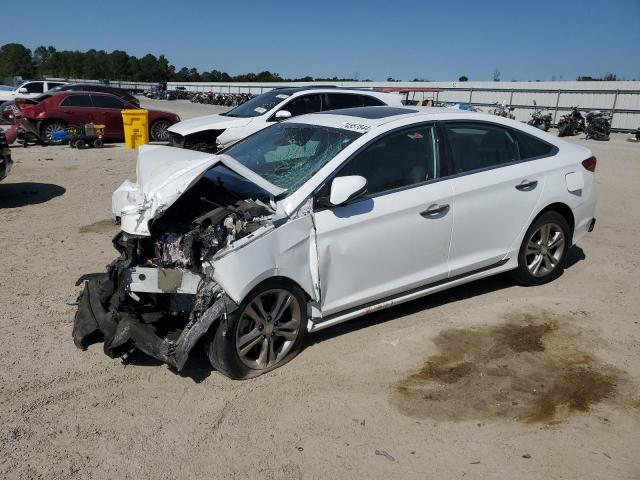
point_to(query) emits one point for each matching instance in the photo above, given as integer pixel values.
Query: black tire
(158, 131)
(80, 144)
(563, 129)
(223, 350)
(526, 258)
(49, 127)
(98, 143)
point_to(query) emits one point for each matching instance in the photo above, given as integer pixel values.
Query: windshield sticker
(259, 109)
(282, 95)
(356, 127)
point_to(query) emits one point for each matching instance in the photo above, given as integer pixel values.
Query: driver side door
(394, 238)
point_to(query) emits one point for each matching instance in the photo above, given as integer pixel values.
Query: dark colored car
(5, 157)
(8, 109)
(77, 108)
(89, 87)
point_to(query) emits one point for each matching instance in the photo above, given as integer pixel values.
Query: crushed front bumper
(99, 317)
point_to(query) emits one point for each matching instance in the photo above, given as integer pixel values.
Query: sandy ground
(488, 380)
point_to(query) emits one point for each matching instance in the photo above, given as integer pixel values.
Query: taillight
(590, 164)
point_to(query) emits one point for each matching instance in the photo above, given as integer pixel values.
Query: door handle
(527, 185)
(434, 210)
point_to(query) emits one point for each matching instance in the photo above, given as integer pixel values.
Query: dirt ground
(488, 380)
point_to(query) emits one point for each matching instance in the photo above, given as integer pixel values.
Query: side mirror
(534, 102)
(282, 115)
(23, 90)
(344, 189)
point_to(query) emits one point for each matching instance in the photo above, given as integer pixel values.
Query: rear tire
(264, 333)
(543, 250)
(49, 127)
(159, 131)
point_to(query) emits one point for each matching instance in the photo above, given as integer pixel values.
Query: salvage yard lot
(487, 380)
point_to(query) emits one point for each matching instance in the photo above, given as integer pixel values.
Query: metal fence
(621, 98)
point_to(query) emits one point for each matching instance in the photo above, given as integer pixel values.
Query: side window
(102, 101)
(476, 146)
(398, 160)
(304, 104)
(76, 101)
(51, 85)
(336, 101)
(368, 101)
(34, 87)
(531, 147)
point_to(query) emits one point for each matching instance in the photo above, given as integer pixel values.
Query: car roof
(369, 117)
(329, 89)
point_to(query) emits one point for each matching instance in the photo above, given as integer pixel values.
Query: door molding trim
(391, 300)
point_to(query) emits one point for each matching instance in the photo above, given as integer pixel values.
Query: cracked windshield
(288, 154)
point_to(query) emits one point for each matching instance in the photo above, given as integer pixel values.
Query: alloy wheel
(545, 249)
(159, 131)
(268, 328)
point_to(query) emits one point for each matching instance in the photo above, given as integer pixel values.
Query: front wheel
(159, 131)
(563, 129)
(543, 250)
(265, 332)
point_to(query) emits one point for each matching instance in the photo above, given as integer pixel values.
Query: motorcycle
(540, 120)
(598, 125)
(502, 110)
(571, 123)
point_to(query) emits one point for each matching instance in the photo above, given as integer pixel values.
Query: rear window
(531, 147)
(76, 101)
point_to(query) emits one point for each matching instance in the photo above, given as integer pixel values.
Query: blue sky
(438, 40)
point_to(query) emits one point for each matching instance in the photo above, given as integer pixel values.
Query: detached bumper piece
(99, 318)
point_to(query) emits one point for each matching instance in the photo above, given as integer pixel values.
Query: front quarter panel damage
(287, 251)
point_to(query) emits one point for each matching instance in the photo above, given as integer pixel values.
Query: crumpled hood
(163, 175)
(208, 122)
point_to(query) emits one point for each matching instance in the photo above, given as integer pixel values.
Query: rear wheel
(159, 130)
(265, 332)
(543, 250)
(52, 126)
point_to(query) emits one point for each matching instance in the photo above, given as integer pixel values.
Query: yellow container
(136, 127)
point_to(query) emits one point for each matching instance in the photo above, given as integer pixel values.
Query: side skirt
(316, 324)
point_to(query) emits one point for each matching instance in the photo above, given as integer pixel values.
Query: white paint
(236, 129)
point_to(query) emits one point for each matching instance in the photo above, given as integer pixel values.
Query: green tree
(15, 60)
(463, 78)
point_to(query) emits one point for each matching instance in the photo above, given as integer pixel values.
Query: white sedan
(211, 133)
(324, 218)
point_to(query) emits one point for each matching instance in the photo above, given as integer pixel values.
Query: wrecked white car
(324, 218)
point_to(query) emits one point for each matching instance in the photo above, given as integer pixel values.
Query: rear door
(74, 109)
(497, 184)
(108, 112)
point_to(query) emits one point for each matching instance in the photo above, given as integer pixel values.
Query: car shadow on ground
(461, 292)
(14, 195)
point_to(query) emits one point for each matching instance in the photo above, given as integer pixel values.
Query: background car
(8, 110)
(75, 108)
(323, 218)
(213, 132)
(29, 89)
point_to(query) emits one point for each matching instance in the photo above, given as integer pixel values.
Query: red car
(77, 108)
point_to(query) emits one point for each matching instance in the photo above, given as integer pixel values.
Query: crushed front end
(159, 296)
